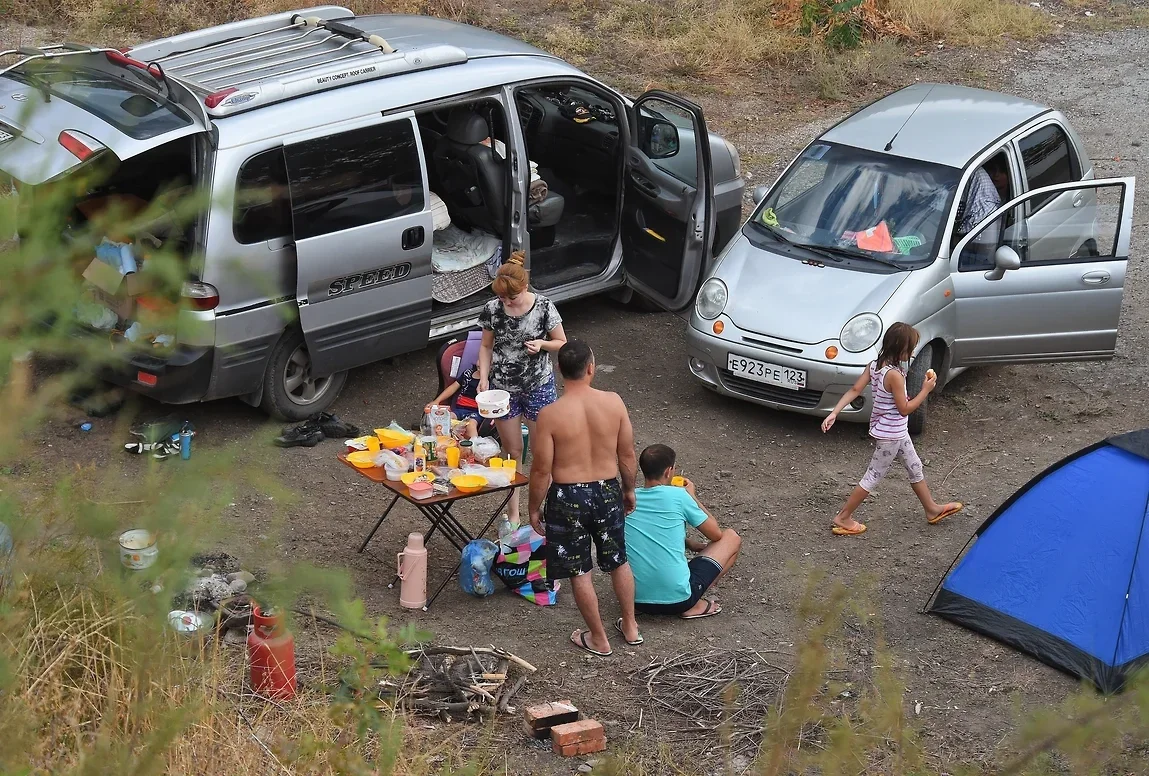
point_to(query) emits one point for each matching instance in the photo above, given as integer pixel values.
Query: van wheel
(915, 378)
(290, 391)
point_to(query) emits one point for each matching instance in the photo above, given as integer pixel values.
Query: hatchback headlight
(712, 298)
(861, 332)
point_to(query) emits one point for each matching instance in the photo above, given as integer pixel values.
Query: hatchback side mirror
(760, 194)
(660, 140)
(1004, 258)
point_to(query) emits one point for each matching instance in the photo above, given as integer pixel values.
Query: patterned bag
(522, 565)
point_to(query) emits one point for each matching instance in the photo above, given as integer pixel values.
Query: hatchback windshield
(845, 202)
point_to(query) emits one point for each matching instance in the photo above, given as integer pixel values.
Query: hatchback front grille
(804, 398)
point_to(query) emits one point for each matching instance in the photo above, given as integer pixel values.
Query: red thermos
(271, 651)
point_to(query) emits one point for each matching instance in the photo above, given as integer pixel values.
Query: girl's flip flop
(618, 627)
(953, 510)
(838, 530)
(711, 609)
(580, 642)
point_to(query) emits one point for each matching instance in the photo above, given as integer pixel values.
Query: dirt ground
(989, 432)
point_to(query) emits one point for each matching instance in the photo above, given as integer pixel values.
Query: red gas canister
(271, 652)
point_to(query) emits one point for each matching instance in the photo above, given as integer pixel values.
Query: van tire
(915, 378)
(278, 400)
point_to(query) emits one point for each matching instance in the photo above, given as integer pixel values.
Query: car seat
(474, 177)
(457, 356)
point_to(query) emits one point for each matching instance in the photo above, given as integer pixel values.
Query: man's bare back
(584, 426)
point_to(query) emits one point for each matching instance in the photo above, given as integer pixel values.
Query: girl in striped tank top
(889, 418)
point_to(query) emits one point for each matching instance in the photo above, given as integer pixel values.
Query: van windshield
(842, 201)
(137, 113)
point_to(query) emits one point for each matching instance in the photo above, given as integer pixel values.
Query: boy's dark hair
(655, 460)
(575, 358)
(898, 344)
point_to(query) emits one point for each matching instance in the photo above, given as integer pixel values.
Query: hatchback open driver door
(1050, 287)
(668, 203)
(362, 241)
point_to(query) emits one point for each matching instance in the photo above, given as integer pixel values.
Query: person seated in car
(988, 188)
(656, 543)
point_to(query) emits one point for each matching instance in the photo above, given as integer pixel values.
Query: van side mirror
(660, 139)
(1004, 258)
(760, 194)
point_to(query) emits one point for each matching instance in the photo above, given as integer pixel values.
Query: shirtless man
(583, 445)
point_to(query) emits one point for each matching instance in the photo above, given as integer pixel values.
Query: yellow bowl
(390, 438)
(469, 483)
(410, 477)
(362, 459)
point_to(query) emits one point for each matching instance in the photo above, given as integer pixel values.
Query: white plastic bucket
(494, 403)
(138, 549)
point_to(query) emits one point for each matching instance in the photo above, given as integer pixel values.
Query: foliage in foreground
(92, 681)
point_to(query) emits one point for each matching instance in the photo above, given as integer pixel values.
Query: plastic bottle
(185, 442)
(271, 653)
(420, 460)
(506, 527)
(413, 573)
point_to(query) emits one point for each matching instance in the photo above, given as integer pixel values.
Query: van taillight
(215, 98)
(200, 296)
(79, 145)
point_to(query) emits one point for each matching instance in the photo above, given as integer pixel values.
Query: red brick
(577, 732)
(542, 717)
(583, 747)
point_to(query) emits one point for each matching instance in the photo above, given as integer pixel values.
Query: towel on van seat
(454, 250)
(440, 218)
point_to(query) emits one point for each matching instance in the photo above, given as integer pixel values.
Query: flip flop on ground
(578, 638)
(618, 627)
(950, 509)
(838, 530)
(712, 608)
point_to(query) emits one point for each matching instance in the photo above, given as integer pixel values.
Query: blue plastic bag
(475, 573)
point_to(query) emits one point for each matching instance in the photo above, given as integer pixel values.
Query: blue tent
(1061, 570)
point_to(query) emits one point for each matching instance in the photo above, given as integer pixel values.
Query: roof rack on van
(261, 61)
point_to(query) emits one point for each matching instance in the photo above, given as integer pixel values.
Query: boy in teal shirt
(656, 543)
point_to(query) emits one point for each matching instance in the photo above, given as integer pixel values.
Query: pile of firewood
(458, 682)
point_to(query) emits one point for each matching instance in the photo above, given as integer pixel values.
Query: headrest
(466, 127)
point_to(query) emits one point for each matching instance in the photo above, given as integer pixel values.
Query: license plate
(771, 374)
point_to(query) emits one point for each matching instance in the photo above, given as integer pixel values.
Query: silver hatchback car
(972, 215)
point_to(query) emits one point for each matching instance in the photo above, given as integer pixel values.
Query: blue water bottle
(185, 442)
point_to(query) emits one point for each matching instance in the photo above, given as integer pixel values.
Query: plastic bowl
(493, 403)
(411, 477)
(469, 483)
(421, 489)
(362, 459)
(390, 438)
(395, 475)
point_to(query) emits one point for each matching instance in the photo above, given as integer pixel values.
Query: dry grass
(94, 684)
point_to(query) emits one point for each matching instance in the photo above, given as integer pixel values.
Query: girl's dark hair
(898, 344)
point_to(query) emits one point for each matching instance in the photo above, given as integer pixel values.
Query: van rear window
(135, 112)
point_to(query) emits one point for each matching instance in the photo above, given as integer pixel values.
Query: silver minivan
(366, 176)
(880, 220)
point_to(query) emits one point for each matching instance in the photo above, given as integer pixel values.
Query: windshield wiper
(836, 251)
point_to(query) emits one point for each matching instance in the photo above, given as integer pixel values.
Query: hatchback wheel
(915, 378)
(291, 392)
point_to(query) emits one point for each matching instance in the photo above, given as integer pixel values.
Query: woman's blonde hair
(512, 277)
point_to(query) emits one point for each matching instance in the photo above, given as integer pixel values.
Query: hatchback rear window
(133, 111)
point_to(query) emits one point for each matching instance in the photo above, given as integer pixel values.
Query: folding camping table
(437, 510)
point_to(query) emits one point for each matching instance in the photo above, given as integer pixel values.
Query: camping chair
(457, 356)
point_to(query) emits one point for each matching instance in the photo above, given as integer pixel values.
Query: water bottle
(185, 442)
(505, 527)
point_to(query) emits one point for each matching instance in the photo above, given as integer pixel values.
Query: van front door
(668, 202)
(1052, 291)
(362, 241)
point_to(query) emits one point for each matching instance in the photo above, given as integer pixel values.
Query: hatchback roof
(936, 123)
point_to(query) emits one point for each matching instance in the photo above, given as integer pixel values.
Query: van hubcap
(298, 381)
